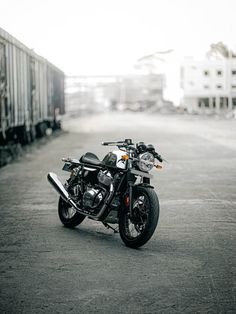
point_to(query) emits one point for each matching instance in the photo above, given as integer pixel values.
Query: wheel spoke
(69, 212)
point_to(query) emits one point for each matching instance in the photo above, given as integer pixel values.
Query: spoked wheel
(135, 231)
(68, 215)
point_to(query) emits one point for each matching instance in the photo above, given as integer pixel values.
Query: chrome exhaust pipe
(58, 186)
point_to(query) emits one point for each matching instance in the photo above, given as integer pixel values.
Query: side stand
(110, 227)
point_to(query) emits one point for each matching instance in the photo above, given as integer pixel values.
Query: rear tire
(68, 215)
(137, 231)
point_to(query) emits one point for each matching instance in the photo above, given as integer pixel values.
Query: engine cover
(105, 178)
(92, 198)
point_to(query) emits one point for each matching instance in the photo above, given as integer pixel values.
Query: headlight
(146, 162)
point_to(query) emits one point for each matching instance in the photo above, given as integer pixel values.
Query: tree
(221, 49)
(149, 62)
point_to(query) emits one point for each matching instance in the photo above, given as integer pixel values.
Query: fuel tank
(114, 159)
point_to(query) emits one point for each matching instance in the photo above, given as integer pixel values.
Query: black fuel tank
(110, 160)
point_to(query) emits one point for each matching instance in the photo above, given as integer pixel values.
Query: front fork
(145, 181)
(131, 199)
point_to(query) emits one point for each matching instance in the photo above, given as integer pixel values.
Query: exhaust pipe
(58, 186)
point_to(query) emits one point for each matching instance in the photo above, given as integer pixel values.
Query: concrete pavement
(187, 267)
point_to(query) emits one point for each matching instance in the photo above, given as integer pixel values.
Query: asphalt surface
(187, 267)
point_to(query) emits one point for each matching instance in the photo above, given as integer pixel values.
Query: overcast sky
(108, 36)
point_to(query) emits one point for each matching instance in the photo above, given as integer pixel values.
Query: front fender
(146, 185)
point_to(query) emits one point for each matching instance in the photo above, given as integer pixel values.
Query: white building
(209, 85)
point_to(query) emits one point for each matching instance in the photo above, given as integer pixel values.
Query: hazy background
(107, 37)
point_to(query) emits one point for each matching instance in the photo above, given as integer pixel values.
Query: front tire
(136, 231)
(68, 215)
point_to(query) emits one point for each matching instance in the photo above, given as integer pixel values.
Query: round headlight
(146, 162)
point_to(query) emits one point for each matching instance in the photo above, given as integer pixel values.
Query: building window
(233, 72)
(206, 72)
(219, 72)
(233, 86)
(234, 102)
(203, 102)
(219, 86)
(223, 102)
(206, 86)
(214, 102)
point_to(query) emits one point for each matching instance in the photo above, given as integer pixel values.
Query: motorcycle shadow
(94, 233)
(98, 235)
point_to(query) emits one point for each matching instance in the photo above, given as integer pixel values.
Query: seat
(90, 158)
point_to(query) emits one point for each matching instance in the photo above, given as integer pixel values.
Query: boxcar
(31, 92)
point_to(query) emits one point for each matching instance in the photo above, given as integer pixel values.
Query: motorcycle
(115, 190)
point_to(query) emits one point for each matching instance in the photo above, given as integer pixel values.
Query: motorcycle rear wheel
(136, 231)
(68, 215)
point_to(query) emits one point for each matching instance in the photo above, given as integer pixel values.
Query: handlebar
(158, 157)
(112, 143)
(126, 142)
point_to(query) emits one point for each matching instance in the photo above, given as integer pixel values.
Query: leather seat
(90, 158)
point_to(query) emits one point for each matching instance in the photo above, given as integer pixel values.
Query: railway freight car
(31, 92)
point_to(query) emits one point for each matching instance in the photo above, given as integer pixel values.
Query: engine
(92, 199)
(94, 196)
(105, 178)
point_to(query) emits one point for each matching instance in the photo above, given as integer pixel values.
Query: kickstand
(110, 227)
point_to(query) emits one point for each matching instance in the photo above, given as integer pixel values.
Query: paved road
(187, 267)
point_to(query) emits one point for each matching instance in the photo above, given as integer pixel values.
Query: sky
(103, 37)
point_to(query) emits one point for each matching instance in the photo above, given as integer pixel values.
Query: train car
(31, 92)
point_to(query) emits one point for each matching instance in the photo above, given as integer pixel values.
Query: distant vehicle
(31, 92)
(115, 190)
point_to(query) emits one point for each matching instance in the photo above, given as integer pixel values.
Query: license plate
(67, 167)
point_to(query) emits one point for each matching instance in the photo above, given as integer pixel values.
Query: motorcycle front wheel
(68, 215)
(137, 229)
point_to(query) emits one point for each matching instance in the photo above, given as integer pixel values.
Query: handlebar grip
(112, 143)
(158, 157)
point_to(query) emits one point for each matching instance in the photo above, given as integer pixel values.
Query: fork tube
(130, 199)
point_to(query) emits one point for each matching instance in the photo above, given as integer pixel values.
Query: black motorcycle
(115, 190)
